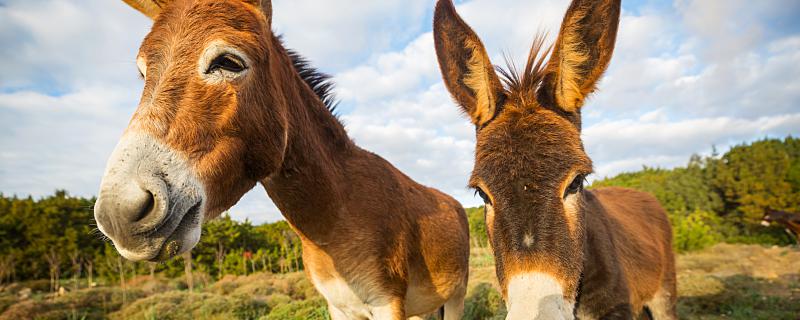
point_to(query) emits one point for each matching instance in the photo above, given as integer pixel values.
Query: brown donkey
(791, 221)
(224, 107)
(560, 251)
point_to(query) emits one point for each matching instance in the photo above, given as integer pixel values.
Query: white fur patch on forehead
(537, 295)
(527, 239)
(213, 50)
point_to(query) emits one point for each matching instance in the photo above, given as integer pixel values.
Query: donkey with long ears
(224, 107)
(560, 251)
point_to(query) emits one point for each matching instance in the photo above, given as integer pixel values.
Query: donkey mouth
(177, 242)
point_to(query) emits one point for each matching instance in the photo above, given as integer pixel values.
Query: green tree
(477, 227)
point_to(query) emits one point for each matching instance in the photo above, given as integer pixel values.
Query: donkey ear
(150, 8)
(581, 54)
(466, 69)
(266, 8)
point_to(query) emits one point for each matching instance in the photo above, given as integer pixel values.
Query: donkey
(226, 106)
(560, 251)
(791, 221)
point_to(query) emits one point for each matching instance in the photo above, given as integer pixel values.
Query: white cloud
(63, 45)
(510, 26)
(723, 60)
(59, 142)
(391, 74)
(337, 35)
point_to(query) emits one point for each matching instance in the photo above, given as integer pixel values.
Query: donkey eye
(227, 62)
(575, 186)
(483, 195)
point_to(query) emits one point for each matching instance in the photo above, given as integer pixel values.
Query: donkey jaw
(537, 296)
(150, 204)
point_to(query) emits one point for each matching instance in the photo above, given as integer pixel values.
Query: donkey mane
(521, 85)
(320, 82)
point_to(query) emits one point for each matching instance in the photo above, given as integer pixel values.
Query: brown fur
(360, 219)
(614, 245)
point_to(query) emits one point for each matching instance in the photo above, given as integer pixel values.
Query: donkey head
(211, 122)
(777, 216)
(530, 163)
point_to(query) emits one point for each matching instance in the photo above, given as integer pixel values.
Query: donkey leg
(454, 307)
(664, 302)
(336, 314)
(662, 306)
(393, 310)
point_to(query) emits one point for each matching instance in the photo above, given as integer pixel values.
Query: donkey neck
(308, 188)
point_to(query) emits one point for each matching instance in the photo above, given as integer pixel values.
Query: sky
(686, 76)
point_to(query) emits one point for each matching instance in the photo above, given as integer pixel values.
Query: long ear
(466, 69)
(150, 8)
(581, 54)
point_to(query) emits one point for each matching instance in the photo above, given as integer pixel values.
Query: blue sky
(686, 75)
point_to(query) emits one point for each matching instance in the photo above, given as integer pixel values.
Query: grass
(721, 282)
(740, 282)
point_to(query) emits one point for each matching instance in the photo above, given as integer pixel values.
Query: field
(722, 282)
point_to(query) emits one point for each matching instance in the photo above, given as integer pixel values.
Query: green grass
(741, 297)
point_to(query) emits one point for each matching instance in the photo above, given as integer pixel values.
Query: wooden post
(121, 268)
(90, 271)
(187, 268)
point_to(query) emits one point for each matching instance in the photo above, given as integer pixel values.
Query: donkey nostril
(146, 207)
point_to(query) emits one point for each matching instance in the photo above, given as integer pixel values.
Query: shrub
(696, 230)
(772, 236)
(179, 305)
(484, 302)
(83, 304)
(313, 309)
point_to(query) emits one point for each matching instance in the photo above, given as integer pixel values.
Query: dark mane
(522, 86)
(318, 81)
